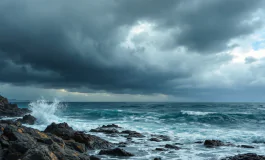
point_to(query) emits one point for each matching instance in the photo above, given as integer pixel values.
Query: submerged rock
(213, 143)
(161, 137)
(11, 110)
(27, 119)
(172, 146)
(245, 146)
(248, 156)
(161, 149)
(115, 152)
(155, 139)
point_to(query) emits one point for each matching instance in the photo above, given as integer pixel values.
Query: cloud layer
(126, 47)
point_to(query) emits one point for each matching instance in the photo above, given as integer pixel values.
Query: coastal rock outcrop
(27, 119)
(11, 110)
(20, 142)
(66, 132)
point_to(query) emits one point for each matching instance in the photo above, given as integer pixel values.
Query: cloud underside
(121, 47)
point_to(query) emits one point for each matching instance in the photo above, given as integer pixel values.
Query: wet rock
(27, 119)
(111, 126)
(20, 142)
(172, 146)
(105, 130)
(62, 130)
(158, 158)
(71, 144)
(11, 110)
(248, 156)
(66, 132)
(155, 139)
(91, 141)
(161, 149)
(132, 134)
(213, 143)
(115, 152)
(245, 146)
(94, 158)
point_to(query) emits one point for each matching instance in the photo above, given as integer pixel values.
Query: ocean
(185, 123)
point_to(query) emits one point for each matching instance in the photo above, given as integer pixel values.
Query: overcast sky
(133, 50)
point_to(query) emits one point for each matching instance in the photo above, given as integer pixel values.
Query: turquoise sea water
(185, 123)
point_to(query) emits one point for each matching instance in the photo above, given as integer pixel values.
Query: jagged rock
(62, 130)
(172, 146)
(248, 156)
(71, 144)
(66, 132)
(20, 142)
(27, 119)
(105, 130)
(131, 134)
(115, 152)
(11, 110)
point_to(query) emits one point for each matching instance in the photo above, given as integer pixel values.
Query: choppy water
(185, 123)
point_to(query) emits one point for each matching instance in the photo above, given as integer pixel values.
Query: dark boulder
(155, 139)
(213, 143)
(115, 152)
(172, 146)
(248, 156)
(94, 158)
(131, 134)
(62, 130)
(161, 149)
(27, 119)
(158, 158)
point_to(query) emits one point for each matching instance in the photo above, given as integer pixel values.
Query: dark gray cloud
(77, 46)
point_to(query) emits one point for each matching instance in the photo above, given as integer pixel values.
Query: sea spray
(46, 112)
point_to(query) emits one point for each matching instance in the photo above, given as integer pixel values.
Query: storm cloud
(93, 46)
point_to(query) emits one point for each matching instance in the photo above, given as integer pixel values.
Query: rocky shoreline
(62, 142)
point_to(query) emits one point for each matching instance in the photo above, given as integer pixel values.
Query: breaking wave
(46, 112)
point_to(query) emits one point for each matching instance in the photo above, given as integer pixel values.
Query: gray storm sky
(137, 50)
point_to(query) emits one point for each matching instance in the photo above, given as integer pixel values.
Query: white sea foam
(46, 112)
(196, 113)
